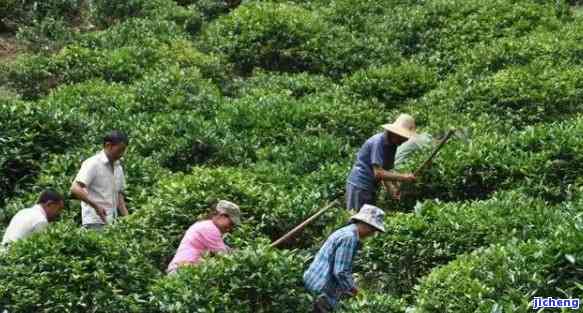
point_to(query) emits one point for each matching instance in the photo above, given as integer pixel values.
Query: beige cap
(230, 209)
(403, 126)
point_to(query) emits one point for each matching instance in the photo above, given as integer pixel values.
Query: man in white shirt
(100, 183)
(32, 220)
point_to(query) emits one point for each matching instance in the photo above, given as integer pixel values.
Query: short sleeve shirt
(202, 237)
(375, 151)
(25, 223)
(103, 184)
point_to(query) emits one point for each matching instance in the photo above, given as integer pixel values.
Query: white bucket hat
(371, 215)
(403, 126)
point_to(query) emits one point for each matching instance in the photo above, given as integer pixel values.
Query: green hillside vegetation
(265, 104)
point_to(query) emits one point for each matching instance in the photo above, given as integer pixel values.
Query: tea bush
(266, 35)
(525, 95)
(370, 303)
(507, 277)
(416, 243)
(35, 77)
(133, 32)
(29, 135)
(106, 12)
(554, 47)
(453, 26)
(276, 118)
(290, 84)
(502, 277)
(243, 281)
(176, 89)
(17, 13)
(306, 154)
(288, 38)
(392, 85)
(538, 159)
(31, 76)
(47, 35)
(179, 200)
(105, 275)
(265, 104)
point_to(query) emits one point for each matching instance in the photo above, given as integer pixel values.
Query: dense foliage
(265, 103)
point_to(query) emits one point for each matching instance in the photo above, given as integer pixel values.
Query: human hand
(102, 213)
(395, 191)
(409, 177)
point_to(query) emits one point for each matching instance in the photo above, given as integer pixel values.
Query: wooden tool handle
(302, 225)
(447, 136)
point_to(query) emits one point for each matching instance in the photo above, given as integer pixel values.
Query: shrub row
(508, 276)
(288, 38)
(66, 269)
(16, 13)
(541, 160)
(255, 279)
(373, 302)
(392, 85)
(30, 135)
(106, 13)
(451, 27)
(105, 56)
(179, 200)
(512, 97)
(416, 243)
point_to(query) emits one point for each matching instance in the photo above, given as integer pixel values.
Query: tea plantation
(265, 104)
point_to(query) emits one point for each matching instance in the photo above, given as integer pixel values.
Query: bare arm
(121, 205)
(382, 175)
(79, 191)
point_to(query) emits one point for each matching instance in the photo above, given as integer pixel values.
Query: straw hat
(371, 215)
(403, 126)
(230, 209)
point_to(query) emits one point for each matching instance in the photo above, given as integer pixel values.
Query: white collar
(104, 159)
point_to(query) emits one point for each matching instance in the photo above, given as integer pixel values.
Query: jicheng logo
(539, 302)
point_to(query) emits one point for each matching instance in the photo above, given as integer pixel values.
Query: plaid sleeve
(343, 263)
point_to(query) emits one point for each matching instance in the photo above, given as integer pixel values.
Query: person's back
(31, 220)
(25, 223)
(329, 276)
(201, 237)
(206, 236)
(320, 273)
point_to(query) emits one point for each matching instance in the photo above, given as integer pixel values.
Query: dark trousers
(356, 197)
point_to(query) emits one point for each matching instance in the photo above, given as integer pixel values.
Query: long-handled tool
(300, 227)
(418, 171)
(434, 153)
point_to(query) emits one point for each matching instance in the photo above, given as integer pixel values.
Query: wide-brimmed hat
(231, 210)
(372, 216)
(403, 126)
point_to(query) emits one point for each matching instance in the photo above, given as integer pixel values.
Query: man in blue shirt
(374, 162)
(330, 275)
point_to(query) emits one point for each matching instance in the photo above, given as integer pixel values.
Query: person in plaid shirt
(330, 275)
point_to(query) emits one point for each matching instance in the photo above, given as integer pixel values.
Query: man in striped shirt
(330, 275)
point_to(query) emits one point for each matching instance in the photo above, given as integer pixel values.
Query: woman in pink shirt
(206, 236)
